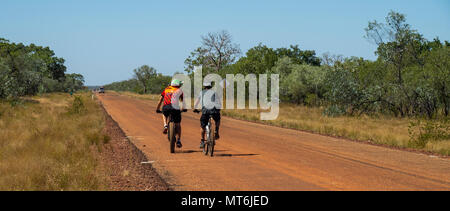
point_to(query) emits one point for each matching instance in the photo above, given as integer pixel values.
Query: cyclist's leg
(178, 131)
(216, 118)
(203, 122)
(176, 115)
(166, 112)
(164, 120)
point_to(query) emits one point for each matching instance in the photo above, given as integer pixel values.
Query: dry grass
(383, 130)
(43, 147)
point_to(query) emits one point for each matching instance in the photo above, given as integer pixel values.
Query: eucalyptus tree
(217, 51)
(144, 75)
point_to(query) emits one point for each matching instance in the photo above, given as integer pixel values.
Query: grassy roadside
(47, 143)
(382, 130)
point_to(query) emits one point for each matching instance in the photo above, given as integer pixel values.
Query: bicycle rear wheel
(212, 137)
(205, 145)
(172, 138)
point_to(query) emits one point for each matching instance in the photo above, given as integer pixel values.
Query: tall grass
(49, 145)
(434, 134)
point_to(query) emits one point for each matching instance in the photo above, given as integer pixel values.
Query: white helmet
(176, 82)
(207, 83)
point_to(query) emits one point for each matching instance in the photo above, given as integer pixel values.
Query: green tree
(216, 52)
(144, 75)
(298, 56)
(159, 83)
(437, 70)
(73, 82)
(155, 82)
(55, 66)
(27, 70)
(257, 60)
(300, 83)
(401, 49)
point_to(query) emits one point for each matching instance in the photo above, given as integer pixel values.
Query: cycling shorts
(169, 110)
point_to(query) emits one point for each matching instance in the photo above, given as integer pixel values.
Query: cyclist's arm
(183, 104)
(160, 102)
(197, 101)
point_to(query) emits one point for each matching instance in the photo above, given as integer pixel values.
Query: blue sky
(105, 40)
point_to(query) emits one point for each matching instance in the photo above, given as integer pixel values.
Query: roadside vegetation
(31, 69)
(50, 142)
(48, 139)
(401, 99)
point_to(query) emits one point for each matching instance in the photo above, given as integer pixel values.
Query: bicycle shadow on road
(198, 151)
(218, 154)
(234, 155)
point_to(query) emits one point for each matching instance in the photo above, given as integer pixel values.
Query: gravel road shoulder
(127, 167)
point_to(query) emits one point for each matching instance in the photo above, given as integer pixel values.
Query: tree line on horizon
(410, 77)
(31, 69)
(146, 80)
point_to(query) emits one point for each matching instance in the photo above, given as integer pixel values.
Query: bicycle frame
(210, 138)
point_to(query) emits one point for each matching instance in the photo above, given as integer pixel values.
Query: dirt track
(253, 156)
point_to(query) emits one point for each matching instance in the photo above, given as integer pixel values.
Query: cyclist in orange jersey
(172, 97)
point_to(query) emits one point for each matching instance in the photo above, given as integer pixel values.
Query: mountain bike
(171, 131)
(210, 142)
(210, 137)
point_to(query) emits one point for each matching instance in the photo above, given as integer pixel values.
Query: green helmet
(176, 82)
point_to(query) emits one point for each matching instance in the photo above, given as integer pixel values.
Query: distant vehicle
(102, 90)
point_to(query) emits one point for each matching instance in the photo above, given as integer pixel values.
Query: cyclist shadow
(235, 155)
(218, 154)
(198, 151)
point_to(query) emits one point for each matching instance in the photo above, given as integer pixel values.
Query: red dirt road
(252, 156)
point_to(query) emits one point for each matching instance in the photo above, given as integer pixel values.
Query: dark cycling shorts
(169, 110)
(205, 118)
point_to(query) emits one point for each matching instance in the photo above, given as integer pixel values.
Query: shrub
(77, 106)
(422, 132)
(300, 83)
(312, 100)
(334, 111)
